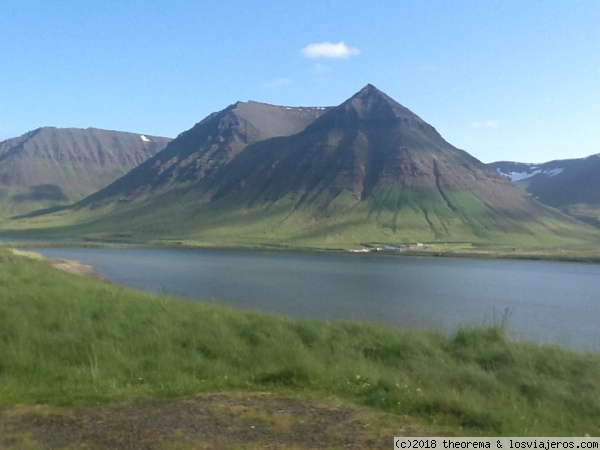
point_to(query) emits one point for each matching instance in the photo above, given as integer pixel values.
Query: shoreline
(565, 255)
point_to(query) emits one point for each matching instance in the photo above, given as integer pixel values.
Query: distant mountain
(572, 185)
(53, 166)
(368, 170)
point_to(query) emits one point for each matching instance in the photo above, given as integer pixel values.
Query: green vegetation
(67, 340)
(392, 217)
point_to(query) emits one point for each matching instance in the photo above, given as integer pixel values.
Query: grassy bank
(67, 340)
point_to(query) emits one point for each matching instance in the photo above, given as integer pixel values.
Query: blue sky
(503, 80)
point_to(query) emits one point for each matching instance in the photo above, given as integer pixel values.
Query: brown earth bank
(75, 267)
(234, 420)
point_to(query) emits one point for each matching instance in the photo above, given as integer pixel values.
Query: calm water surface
(546, 302)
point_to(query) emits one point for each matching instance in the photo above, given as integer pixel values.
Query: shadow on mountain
(42, 192)
(41, 212)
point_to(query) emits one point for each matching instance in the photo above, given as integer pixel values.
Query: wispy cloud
(321, 70)
(329, 50)
(486, 124)
(278, 83)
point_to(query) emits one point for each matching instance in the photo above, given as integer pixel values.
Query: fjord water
(543, 302)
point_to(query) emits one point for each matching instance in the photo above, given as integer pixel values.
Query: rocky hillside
(53, 166)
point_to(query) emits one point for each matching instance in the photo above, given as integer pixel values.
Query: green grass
(68, 341)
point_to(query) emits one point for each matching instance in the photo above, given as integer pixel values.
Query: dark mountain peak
(372, 112)
(368, 100)
(370, 91)
(368, 106)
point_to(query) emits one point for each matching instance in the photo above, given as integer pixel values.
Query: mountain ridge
(52, 166)
(209, 144)
(571, 185)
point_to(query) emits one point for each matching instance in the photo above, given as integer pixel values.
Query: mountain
(366, 171)
(363, 148)
(52, 166)
(572, 185)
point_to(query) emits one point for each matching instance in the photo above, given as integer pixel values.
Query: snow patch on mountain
(518, 176)
(532, 171)
(553, 172)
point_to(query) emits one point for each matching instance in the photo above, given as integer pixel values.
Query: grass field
(72, 341)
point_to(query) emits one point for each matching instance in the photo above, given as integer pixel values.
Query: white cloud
(278, 83)
(486, 124)
(329, 50)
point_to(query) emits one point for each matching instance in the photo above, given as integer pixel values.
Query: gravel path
(207, 421)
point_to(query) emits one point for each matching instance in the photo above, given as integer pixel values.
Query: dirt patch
(75, 267)
(207, 421)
